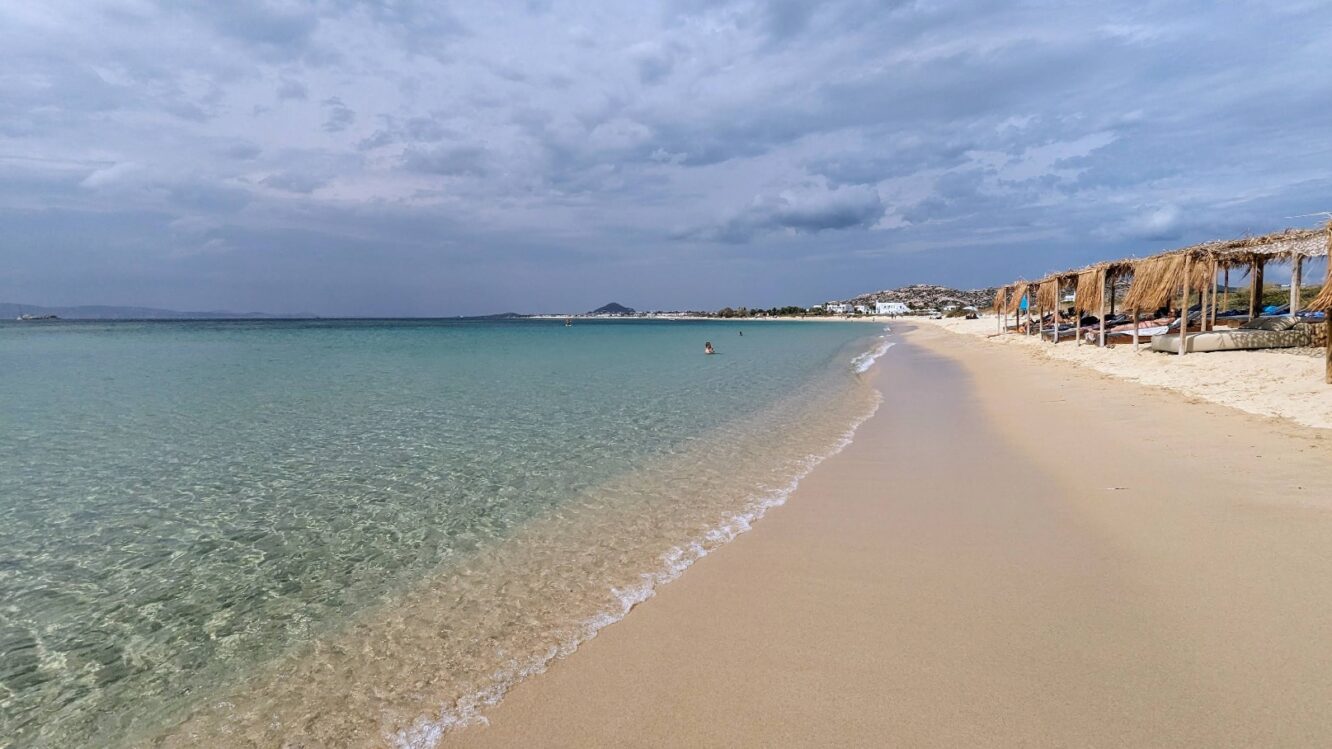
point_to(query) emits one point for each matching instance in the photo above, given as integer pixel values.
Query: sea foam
(863, 362)
(428, 733)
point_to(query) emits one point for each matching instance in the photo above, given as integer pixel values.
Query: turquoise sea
(362, 532)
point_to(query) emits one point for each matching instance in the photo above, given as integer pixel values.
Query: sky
(381, 157)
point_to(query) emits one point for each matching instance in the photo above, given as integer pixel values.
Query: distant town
(917, 299)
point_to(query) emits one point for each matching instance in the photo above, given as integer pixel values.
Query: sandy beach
(1287, 383)
(1013, 551)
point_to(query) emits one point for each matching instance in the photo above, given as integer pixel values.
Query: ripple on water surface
(363, 532)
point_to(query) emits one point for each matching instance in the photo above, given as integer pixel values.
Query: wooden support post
(1203, 301)
(1055, 336)
(1225, 290)
(1296, 270)
(1184, 309)
(1256, 289)
(1100, 335)
(1327, 352)
(1135, 330)
(1077, 320)
(1213, 285)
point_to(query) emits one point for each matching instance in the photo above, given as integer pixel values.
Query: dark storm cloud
(809, 209)
(339, 115)
(412, 130)
(242, 151)
(279, 30)
(452, 162)
(537, 153)
(289, 89)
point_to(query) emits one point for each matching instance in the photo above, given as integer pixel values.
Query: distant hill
(9, 311)
(927, 296)
(498, 316)
(614, 308)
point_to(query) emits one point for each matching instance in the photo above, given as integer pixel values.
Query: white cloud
(1076, 131)
(110, 175)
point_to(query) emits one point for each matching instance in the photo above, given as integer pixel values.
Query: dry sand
(1008, 554)
(1285, 383)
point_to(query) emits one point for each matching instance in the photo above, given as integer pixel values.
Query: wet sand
(1011, 552)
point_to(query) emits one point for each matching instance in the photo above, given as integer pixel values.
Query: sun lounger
(1263, 333)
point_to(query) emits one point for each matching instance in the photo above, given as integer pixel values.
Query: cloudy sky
(420, 158)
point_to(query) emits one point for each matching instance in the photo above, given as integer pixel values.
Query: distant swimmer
(742, 332)
(707, 348)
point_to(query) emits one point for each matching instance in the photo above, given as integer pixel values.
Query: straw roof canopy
(1116, 269)
(1154, 280)
(1000, 302)
(1157, 279)
(1020, 291)
(1047, 295)
(1090, 295)
(1229, 253)
(1281, 245)
(1324, 299)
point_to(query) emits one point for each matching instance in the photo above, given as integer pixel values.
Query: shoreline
(310, 680)
(956, 575)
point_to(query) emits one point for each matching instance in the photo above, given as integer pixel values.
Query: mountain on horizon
(614, 308)
(11, 310)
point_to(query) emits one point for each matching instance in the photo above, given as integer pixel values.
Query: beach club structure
(1189, 280)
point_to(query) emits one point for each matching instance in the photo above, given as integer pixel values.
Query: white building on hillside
(838, 308)
(891, 308)
(862, 309)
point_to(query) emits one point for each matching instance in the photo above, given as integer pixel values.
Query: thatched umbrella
(1047, 295)
(1154, 279)
(1000, 306)
(1091, 289)
(1021, 290)
(1323, 303)
(1090, 295)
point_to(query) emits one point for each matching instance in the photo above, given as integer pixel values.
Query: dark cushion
(1270, 323)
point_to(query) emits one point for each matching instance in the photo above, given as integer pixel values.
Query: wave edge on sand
(468, 711)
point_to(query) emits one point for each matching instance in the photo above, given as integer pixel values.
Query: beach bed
(1264, 333)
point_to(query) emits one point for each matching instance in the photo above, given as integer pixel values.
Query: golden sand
(1277, 382)
(1012, 552)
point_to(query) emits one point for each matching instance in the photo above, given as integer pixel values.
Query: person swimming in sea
(707, 348)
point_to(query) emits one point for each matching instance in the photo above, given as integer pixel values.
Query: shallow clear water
(363, 531)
